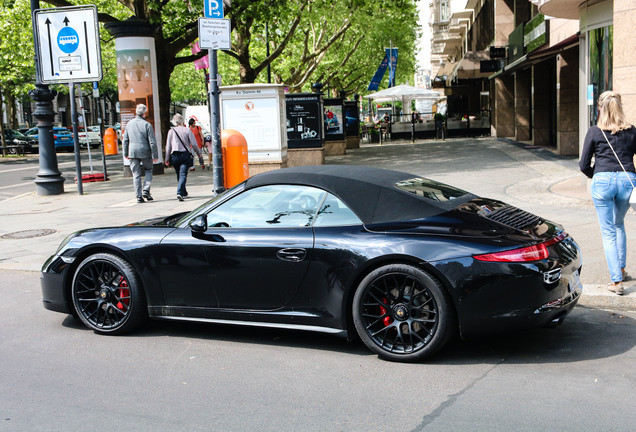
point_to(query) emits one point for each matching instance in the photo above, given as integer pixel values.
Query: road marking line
(32, 167)
(16, 185)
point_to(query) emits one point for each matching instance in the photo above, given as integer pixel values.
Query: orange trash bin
(236, 166)
(110, 142)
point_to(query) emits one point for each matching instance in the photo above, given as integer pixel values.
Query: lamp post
(49, 180)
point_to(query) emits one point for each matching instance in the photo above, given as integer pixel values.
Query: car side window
(334, 212)
(279, 206)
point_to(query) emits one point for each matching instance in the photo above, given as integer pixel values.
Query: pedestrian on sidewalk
(140, 148)
(612, 143)
(198, 136)
(179, 147)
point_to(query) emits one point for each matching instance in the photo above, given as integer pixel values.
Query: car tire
(107, 295)
(403, 313)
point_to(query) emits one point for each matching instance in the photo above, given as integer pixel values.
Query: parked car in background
(117, 128)
(63, 138)
(92, 136)
(16, 138)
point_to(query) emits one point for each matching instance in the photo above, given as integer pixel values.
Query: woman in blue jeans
(180, 145)
(613, 176)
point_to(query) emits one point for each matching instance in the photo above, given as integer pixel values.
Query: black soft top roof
(370, 192)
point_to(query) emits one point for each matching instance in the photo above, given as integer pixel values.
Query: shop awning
(538, 55)
(468, 67)
(555, 49)
(446, 69)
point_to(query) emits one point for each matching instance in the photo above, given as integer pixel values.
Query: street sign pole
(214, 34)
(78, 160)
(215, 124)
(100, 120)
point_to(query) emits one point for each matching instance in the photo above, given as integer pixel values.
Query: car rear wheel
(107, 295)
(402, 313)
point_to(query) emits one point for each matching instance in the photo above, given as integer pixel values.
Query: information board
(215, 34)
(304, 121)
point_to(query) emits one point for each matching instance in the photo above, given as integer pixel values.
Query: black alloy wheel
(402, 313)
(107, 295)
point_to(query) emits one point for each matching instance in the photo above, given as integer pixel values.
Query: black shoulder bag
(182, 157)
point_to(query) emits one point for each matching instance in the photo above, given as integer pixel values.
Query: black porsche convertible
(401, 261)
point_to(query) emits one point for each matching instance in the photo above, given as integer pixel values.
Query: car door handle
(208, 237)
(291, 254)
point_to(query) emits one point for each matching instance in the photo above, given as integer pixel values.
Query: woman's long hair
(610, 115)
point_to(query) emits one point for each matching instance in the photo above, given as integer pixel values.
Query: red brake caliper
(124, 294)
(387, 320)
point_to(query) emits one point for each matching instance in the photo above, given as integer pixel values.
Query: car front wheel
(107, 295)
(402, 313)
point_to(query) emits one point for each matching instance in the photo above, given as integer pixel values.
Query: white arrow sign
(213, 9)
(68, 45)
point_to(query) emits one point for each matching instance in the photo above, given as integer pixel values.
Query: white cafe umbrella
(404, 93)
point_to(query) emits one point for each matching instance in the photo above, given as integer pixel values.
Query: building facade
(546, 62)
(606, 60)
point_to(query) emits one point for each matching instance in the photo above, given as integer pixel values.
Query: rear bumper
(501, 297)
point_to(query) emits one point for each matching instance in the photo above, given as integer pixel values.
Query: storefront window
(600, 48)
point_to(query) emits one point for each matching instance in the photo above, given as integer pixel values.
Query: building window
(444, 11)
(600, 49)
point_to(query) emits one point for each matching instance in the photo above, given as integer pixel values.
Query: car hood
(161, 221)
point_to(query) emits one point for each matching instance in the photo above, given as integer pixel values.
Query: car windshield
(430, 189)
(183, 222)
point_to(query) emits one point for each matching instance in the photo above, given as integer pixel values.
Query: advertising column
(137, 79)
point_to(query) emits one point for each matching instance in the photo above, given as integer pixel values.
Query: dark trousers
(181, 169)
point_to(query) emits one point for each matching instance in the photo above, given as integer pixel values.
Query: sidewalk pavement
(531, 178)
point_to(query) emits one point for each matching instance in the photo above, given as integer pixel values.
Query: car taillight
(529, 253)
(54, 136)
(557, 239)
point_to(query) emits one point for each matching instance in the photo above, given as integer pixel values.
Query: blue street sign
(213, 9)
(68, 40)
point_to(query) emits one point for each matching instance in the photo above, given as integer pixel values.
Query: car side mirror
(199, 224)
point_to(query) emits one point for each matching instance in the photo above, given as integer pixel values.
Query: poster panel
(333, 119)
(137, 83)
(304, 121)
(257, 120)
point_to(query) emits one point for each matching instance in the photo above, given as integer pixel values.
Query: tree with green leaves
(306, 39)
(344, 53)
(337, 42)
(17, 71)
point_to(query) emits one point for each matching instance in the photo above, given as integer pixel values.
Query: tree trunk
(165, 66)
(9, 104)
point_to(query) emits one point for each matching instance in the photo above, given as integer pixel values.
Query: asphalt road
(55, 375)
